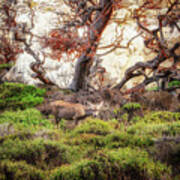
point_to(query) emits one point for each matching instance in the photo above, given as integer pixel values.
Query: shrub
(83, 170)
(38, 152)
(174, 83)
(6, 66)
(29, 117)
(123, 139)
(95, 126)
(127, 163)
(19, 171)
(161, 116)
(155, 130)
(15, 96)
(131, 106)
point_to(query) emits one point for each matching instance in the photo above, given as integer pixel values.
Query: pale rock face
(61, 73)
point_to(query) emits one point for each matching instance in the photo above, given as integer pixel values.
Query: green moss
(26, 118)
(15, 96)
(131, 106)
(88, 139)
(95, 126)
(38, 152)
(174, 83)
(124, 163)
(123, 139)
(127, 163)
(155, 88)
(155, 130)
(83, 170)
(6, 66)
(19, 171)
(161, 116)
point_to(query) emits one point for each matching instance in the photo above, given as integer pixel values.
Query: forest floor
(131, 138)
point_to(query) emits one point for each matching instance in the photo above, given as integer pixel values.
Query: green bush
(40, 153)
(26, 118)
(93, 126)
(174, 83)
(10, 170)
(83, 170)
(127, 163)
(6, 66)
(124, 163)
(15, 96)
(161, 116)
(123, 139)
(155, 130)
(131, 106)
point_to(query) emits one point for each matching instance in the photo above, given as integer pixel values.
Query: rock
(6, 129)
(115, 63)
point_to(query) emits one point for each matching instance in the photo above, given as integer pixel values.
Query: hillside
(135, 142)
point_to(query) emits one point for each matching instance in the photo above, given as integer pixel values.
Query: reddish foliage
(63, 42)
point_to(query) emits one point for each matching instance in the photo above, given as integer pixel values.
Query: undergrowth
(147, 147)
(19, 96)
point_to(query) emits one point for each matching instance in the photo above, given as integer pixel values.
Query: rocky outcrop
(115, 63)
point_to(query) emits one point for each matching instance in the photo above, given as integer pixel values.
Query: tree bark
(96, 28)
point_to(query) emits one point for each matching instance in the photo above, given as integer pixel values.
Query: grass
(19, 96)
(25, 118)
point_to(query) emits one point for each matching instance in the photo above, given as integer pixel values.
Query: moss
(15, 96)
(6, 66)
(83, 170)
(123, 139)
(31, 134)
(19, 171)
(171, 84)
(124, 163)
(161, 116)
(95, 126)
(26, 118)
(155, 88)
(174, 83)
(131, 106)
(88, 139)
(41, 153)
(127, 163)
(155, 130)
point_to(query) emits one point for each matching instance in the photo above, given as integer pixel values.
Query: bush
(83, 170)
(38, 152)
(124, 163)
(26, 118)
(123, 139)
(161, 116)
(155, 130)
(6, 66)
(131, 106)
(93, 126)
(15, 96)
(19, 171)
(127, 163)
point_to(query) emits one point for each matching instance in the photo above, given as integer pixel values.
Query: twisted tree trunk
(95, 30)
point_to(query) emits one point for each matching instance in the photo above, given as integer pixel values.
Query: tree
(92, 16)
